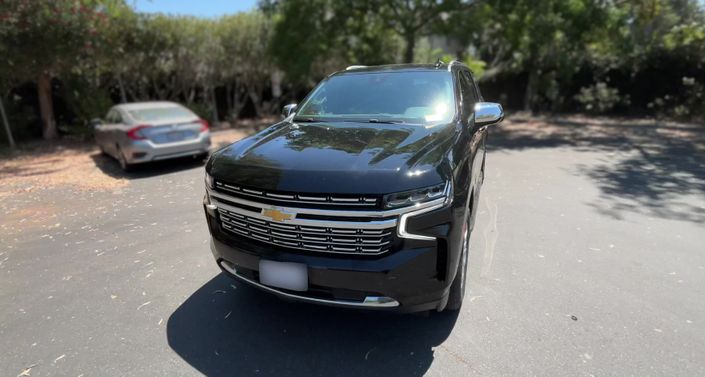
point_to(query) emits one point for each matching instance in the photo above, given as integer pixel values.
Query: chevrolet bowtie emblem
(278, 215)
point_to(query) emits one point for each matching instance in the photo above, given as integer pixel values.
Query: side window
(113, 117)
(478, 95)
(467, 89)
(110, 117)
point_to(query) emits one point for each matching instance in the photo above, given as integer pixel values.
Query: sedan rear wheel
(124, 165)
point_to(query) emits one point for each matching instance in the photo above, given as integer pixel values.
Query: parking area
(587, 260)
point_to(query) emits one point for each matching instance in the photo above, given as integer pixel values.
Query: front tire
(457, 288)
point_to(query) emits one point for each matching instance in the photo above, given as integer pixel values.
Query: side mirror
(95, 122)
(288, 110)
(488, 113)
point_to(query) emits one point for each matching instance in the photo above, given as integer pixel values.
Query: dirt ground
(77, 164)
(582, 130)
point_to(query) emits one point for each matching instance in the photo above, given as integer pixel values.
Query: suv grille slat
(295, 200)
(319, 239)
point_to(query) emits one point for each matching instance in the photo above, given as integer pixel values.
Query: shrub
(687, 104)
(599, 98)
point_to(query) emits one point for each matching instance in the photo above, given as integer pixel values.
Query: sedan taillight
(135, 133)
(204, 125)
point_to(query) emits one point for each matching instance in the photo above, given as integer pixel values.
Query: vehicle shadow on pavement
(230, 328)
(109, 166)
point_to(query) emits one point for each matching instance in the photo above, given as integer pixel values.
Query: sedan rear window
(160, 113)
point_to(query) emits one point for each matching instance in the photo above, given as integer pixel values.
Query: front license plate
(287, 275)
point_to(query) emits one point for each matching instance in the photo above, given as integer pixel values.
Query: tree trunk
(10, 139)
(190, 96)
(46, 107)
(256, 102)
(159, 93)
(131, 93)
(239, 99)
(228, 101)
(276, 79)
(410, 39)
(123, 95)
(214, 104)
(530, 92)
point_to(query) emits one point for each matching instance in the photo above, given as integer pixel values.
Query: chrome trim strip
(324, 212)
(255, 192)
(368, 250)
(314, 198)
(401, 230)
(333, 241)
(370, 301)
(303, 231)
(298, 199)
(345, 200)
(381, 224)
(281, 196)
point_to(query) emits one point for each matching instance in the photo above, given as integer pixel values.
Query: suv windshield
(417, 97)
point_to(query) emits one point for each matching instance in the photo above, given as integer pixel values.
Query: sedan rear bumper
(140, 151)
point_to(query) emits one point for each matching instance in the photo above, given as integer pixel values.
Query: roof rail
(355, 67)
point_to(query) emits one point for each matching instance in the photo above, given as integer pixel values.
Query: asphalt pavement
(588, 259)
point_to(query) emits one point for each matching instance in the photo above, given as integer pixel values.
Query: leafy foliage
(639, 56)
(599, 98)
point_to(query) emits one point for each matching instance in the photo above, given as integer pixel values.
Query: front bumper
(403, 281)
(139, 151)
(414, 276)
(368, 302)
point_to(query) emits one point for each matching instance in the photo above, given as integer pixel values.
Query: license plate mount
(286, 275)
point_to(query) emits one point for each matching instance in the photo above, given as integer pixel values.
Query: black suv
(364, 196)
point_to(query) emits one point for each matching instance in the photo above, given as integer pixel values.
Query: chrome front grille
(331, 239)
(295, 199)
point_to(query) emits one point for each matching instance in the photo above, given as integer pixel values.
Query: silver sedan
(148, 131)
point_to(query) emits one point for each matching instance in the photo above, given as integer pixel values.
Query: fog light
(138, 154)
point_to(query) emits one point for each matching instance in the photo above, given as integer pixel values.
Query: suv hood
(337, 157)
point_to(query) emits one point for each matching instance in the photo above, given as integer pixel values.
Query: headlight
(407, 198)
(210, 183)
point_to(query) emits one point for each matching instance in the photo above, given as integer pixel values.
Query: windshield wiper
(307, 120)
(373, 120)
(376, 120)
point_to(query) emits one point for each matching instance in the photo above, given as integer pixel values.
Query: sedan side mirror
(95, 122)
(488, 113)
(288, 110)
